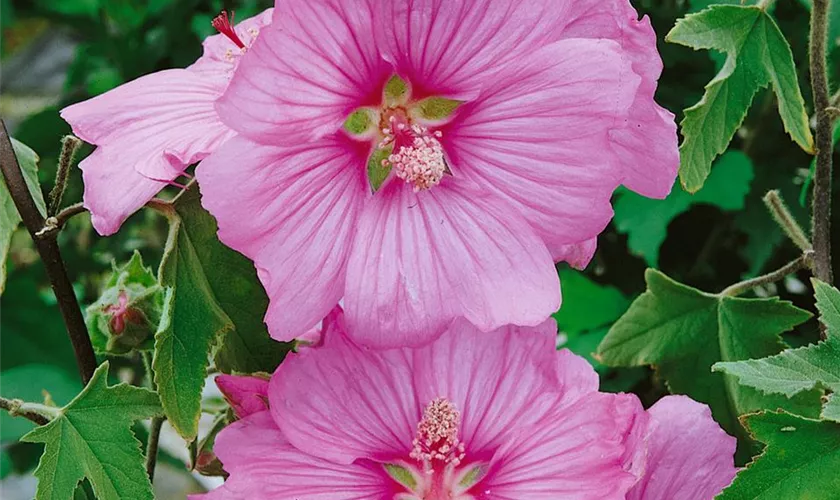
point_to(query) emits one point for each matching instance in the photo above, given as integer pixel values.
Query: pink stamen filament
(225, 26)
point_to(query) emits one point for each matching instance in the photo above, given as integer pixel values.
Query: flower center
(418, 155)
(405, 141)
(436, 440)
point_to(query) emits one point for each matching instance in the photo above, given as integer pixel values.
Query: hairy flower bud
(128, 311)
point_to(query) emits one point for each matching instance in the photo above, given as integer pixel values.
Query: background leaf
(646, 220)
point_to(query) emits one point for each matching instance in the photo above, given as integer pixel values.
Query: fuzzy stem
(69, 145)
(821, 206)
(785, 219)
(50, 255)
(804, 261)
(39, 414)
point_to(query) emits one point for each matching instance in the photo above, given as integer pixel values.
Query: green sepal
(396, 91)
(376, 171)
(435, 108)
(401, 475)
(361, 122)
(118, 333)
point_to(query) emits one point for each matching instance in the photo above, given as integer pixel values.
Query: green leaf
(800, 461)
(213, 290)
(645, 220)
(828, 304)
(796, 370)
(9, 217)
(792, 371)
(91, 438)
(757, 56)
(586, 304)
(683, 332)
(376, 170)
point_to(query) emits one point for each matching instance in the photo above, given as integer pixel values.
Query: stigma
(225, 26)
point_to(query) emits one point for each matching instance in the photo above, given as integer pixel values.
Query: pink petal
(575, 375)
(499, 381)
(422, 259)
(293, 211)
(159, 123)
(578, 255)
(304, 74)
(575, 453)
(538, 137)
(448, 48)
(263, 464)
(688, 455)
(113, 190)
(647, 143)
(156, 125)
(341, 403)
(246, 394)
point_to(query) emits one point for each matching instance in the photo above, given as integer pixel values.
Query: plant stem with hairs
(47, 248)
(821, 206)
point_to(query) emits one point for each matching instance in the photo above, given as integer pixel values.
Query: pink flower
(150, 129)
(499, 415)
(688, 456)
(544, 107)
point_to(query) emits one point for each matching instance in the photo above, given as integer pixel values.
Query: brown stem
(15, 409)
(53, 224)
(821, 207)
(804, 261)
(50, 255)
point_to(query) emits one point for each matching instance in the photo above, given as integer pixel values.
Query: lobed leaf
(91, 438)
(757, 55)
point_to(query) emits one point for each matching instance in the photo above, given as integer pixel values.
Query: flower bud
(128, 312)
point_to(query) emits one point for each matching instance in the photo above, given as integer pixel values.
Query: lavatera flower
(148, 131)
(429, 160)
(472, 416)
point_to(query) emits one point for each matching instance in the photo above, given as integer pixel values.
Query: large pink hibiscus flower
(480, 416)
(150, 129)
(431, 159)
